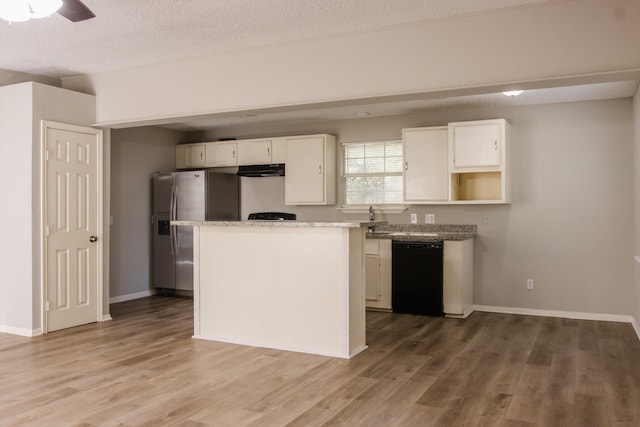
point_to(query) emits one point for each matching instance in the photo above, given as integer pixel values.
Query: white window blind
(373, 173)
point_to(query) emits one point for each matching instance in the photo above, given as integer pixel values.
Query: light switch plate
(429, 218)
(414, 218)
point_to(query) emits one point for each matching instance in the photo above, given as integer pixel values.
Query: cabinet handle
(268, 151)
(495, 144)
(320, 169)
(406, 166)
(233, 154)
(201, 155)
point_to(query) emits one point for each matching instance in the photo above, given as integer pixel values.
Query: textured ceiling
(129, 33)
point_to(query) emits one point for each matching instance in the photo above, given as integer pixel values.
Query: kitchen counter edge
(421, 238)
(328, 224)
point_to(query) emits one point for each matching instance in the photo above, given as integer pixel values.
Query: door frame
(98, 133)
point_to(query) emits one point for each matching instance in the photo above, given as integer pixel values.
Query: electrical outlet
(414, 218)
(530, 284)
(429, 219)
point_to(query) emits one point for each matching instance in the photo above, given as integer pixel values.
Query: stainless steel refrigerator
(199, 195)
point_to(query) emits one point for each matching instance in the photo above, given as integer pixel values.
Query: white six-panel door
(72, 226)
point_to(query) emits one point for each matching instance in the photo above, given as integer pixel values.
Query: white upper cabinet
(222, 153)
(244, 152)
(279, 150)
(190, 156)
(310, 177)
(479, 162)
(476, 144)
(195, 155)
(254, 152)
(426, 177)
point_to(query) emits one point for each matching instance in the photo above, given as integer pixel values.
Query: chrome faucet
(372, 216)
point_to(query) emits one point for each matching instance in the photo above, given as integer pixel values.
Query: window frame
(378, 207)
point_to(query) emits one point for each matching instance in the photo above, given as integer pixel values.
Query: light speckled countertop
(253, 223)
(423, 232)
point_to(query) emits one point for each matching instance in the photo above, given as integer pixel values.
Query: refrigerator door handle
(172, 217)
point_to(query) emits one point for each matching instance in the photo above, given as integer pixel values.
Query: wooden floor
(143, 368)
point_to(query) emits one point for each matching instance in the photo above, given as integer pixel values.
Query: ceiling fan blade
(75, 11)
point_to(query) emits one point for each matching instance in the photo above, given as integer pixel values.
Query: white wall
(559, 42)
(569, 225)
(16, 147)
(135, 155)
(22, 109)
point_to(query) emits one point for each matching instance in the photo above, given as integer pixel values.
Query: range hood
(256, 171)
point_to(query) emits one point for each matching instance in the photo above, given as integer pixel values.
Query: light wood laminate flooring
(143, 368)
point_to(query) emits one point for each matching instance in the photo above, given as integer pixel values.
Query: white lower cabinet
(378, 273)
(458, 278)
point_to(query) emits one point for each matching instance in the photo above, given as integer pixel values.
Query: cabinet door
(226, 153)
(195, 155)
(477, 145)
(304, 177)
(425, 164)
(278, 150)
(372, 277)
(254, 152)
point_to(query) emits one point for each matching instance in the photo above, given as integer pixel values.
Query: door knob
(93, 239)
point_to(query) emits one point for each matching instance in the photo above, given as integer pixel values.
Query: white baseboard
(129, 297)
(554, 313)
(24, 332)
(106, 318)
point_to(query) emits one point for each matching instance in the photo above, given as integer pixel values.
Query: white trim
(466, 313)
(319, 352)
(555, 313)
(24, 332)
(636, 327)
(637, 258)
(98, 133)
(129, 297)
(106, 318)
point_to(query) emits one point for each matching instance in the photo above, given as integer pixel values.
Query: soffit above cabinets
(335, 111)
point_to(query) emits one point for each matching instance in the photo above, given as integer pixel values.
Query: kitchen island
(287, 285)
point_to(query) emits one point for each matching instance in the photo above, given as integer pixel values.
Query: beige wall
(135, 155)
(548, 44)
(569, 225)
(22, 109)
(16, 147)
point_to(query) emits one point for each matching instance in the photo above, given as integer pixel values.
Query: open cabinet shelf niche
(477, 186)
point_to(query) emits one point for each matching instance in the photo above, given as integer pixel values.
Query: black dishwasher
(416, 277)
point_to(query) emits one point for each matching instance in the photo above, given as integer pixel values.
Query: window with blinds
(373, 173)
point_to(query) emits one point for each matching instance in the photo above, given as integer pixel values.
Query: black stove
(272, 216)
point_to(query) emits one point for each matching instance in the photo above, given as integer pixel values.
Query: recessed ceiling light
(512, 92)
(362, 114)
